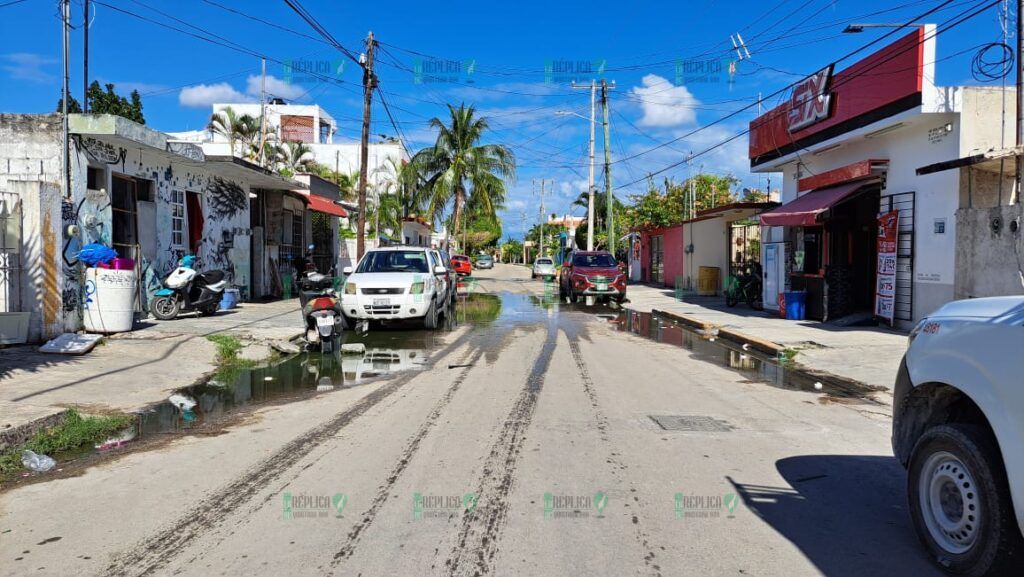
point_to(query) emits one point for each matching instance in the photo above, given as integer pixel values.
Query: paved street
(445, 471)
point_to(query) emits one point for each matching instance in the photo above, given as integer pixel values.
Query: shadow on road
(846, 513)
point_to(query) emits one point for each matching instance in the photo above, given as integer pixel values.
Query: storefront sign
(811, 99)
(885, 291)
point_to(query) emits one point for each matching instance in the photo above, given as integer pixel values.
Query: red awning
(804, 210)
(325, 205)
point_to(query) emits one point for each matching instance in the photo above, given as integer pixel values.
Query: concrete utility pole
(609, 216)
(369, 83)
(590, 180)
(65, 16)
(85, 57)
(522, 217)
(540, 251)
(1015, 197)
(263, 110)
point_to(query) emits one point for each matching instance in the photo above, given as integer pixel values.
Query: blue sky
(513, 61)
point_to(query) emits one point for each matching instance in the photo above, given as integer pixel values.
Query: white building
(849, 148)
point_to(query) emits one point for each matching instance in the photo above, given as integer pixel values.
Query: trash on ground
(117, 441)
(36, 462)
(285, 347)
(71, 344)
(353, 349)
(183, 402)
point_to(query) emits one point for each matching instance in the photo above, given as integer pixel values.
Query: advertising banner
(885, 289)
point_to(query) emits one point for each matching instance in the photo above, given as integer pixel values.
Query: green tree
(292, 157)
(754, 195)
(710, 190)
(460, 170)
(512, 250)
(242, 130)
(107, 101)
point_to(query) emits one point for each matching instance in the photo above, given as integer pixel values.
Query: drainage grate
(697, 423)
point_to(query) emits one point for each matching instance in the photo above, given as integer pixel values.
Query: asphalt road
(527, 447)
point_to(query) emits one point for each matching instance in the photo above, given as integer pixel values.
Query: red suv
(592, 273)
(462, 264)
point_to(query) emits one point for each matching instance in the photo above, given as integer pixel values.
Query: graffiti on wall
(102, 151)
(224, 199)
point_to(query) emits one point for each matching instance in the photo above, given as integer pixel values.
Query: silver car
(543, 267)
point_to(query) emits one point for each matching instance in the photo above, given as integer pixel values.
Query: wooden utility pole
(65, 16)
(1015, 196)
(85, 57)
(263, 112)
(609, 216)
(369, 83)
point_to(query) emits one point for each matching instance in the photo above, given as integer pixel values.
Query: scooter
(746, 286)
(186, 289)
(321, 309)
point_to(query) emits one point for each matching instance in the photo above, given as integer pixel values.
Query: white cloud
(664, 104)
(27, 66)
(276, 87)
(203, 95)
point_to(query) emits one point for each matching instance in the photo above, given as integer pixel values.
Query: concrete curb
(763, 345)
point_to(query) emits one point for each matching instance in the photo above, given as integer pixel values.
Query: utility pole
(65, 16)
(263, 110)
(522, 217)
(1015, 197)
(609, 216)
(540, 251)
(369, 83)
(85, 57)
(590, 181)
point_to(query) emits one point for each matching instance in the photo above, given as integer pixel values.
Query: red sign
(810, 101)
(885, 288)
(882, 84)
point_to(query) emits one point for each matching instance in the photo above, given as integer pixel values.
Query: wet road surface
(529, 437)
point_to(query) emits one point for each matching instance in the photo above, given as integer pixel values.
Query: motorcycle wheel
(327, 344)
(165, 308)
(209, 310)
(754, 298)
(731, 299)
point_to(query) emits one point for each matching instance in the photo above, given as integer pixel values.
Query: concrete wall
(988, 257)
(710, 240)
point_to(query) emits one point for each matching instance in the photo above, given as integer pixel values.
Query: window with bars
(178, 230)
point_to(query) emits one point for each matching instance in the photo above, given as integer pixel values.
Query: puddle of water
(756, 366)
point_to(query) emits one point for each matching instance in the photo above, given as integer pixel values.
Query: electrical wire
(993, 61)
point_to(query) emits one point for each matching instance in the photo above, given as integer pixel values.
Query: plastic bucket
(782, 305)
(229, 300)
(109, 303)
(795, 305)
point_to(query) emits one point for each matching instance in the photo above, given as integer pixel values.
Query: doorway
(852, 253)
(657, 259)
(124, 199)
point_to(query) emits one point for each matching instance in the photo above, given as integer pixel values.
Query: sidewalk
(129, 370)
(867, 354)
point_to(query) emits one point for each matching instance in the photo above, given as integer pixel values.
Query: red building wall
(672, 253)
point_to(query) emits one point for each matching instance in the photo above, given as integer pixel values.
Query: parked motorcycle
(321, 308)
(746, 286)
(186, 289)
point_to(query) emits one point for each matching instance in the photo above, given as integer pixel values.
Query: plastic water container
(229, 300)
(796, 305)
(109, 301)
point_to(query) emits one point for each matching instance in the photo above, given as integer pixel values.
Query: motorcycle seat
(212, 277)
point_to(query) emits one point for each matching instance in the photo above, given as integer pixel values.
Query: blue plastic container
(229, 300)
(796, 305)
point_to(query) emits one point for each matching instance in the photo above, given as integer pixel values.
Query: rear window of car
(394, 261)
(545, 261)
(460, 258)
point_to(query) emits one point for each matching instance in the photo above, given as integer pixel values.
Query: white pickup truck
(958, 428)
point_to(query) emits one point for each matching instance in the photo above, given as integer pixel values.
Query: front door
(657, 260)
(124, 234)
(774, 269)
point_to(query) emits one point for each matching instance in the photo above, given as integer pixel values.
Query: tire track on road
(157, 550)
(384, 491)
(479, 536)
(614, 459)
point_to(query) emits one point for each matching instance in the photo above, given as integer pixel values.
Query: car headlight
(350, 288)
(417, 288)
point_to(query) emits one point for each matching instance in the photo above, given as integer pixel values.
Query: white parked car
(395, 283)
(543, 267)
(958, 428)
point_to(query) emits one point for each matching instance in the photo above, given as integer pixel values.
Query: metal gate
(905, 203)
(10, 253)
(323, 240)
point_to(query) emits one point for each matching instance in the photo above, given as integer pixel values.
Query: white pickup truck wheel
(959, 501)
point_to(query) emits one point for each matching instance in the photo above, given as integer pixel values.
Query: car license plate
(602, 286)
(325, 321)
(381, 302)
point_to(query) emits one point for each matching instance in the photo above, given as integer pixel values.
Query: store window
(178, 219)
(808, 251)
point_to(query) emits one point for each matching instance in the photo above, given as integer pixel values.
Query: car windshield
(544, 261)
(394, 261)
(593, 260)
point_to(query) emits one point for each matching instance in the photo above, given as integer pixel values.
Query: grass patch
(228, 347)
(788, 354)
(75, 431)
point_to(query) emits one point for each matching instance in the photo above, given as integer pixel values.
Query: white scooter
(187, 289)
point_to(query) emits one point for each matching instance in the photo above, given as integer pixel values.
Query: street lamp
(590, 180)
(858, 27)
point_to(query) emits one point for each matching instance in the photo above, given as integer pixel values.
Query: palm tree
(244, 129)
(461, 169)
(294, 157)
(403, 181)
